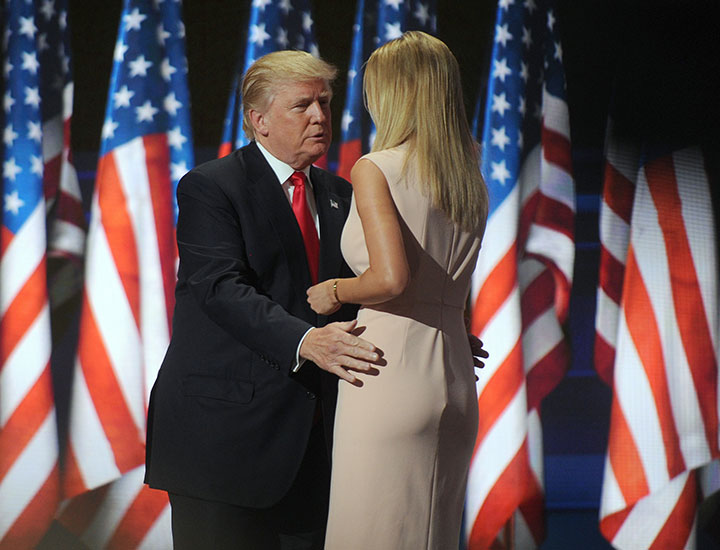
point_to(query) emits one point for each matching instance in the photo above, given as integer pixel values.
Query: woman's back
(403, 440)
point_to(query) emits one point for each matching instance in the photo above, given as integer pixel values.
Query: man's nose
(317, 113)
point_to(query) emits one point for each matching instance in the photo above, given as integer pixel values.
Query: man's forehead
(304, 88)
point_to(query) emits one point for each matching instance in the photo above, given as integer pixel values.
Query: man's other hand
(335, 349)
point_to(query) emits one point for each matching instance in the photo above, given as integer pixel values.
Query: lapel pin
(333, 204)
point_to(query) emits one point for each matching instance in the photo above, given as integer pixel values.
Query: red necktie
(306, 223)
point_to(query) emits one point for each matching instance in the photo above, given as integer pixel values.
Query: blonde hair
(272, 70)
(413, 93)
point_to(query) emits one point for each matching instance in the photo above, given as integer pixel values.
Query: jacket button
(310, 395)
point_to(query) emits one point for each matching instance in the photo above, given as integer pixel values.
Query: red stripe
(495, 291)
(77, 516)
(687, 299)
(604, 359)
(25, 421)
(527, 215)
(612, 273)
(140, 517)
(537, 297)
(611, 524)
(24, 309)
(225, 149)
(546, 374)
(109, 402)
(533, 510)
(30, 527)
(349, 153)
(499, 391)
(6, 237)
(556, 148)
(555, 215)
(51, 177)
(72, 480)
(678, 526)
(618, 193)
(625, 459)
(645, 334)
(119, 230)
(508, 491)
(157, 161)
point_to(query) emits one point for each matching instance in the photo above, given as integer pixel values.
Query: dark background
(653, 64)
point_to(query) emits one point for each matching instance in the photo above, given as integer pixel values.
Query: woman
(404, 437)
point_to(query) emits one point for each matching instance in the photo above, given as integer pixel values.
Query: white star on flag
(30, 62)
(307, 22)
(261, 4)
(8, 101)
(32, 97)
(500, 104)
(178, 170)
(10, 169)
(505, 4)
(108, 129)
(13, 202)
(501, 69)
(27, 26)
(9, 135)
(285, 6)
(145, 112)
(34, 131)
(167, 70)
(176, 138)
(393, 31)
(120, 50)
(36, 165)
(258, 35)
(162, 35)
(422, 13)
(171, 104)
(47, 9)
(527, 37)
(282, 38)
(133, 20)
(500, 172)
(394, 3)
(502, 35)
(346, 120)
(122, 97)
(139, 66)
(500, 138)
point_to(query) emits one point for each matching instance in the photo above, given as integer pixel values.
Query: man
(241, 412)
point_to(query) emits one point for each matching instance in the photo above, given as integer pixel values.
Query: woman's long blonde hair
(413, 93)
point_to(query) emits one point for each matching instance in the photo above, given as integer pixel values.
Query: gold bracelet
(335, 292)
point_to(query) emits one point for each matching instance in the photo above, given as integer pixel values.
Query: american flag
(66, 218)
(622, 160)
(274, 25)
(129, 282)
(29, 476)
(663, 441)
(376, 22)
(522, 281)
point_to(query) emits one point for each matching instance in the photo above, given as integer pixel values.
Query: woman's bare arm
(388, 273)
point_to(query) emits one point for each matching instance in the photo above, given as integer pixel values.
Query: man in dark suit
(241, 412)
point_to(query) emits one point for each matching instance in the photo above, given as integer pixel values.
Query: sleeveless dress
(403, 441)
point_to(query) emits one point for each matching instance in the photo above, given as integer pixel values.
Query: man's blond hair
(275, 69)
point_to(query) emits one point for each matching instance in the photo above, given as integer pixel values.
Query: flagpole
(509, 533)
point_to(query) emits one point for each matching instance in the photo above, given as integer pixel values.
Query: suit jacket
(228, 420)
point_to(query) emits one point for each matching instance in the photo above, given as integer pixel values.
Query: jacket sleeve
(214, 266)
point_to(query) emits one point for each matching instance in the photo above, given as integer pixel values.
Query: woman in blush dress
(404, 436)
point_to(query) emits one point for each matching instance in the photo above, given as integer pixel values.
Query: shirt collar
(282, 170)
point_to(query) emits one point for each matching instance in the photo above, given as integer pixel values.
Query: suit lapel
(269, 194)
(331, 214)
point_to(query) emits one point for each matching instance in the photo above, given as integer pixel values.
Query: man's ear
(258, 121)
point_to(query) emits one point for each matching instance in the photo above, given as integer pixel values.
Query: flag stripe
(134, 526)
(108, 400)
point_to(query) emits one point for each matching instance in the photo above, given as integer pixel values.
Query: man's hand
(476, 348)
(335, 349)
